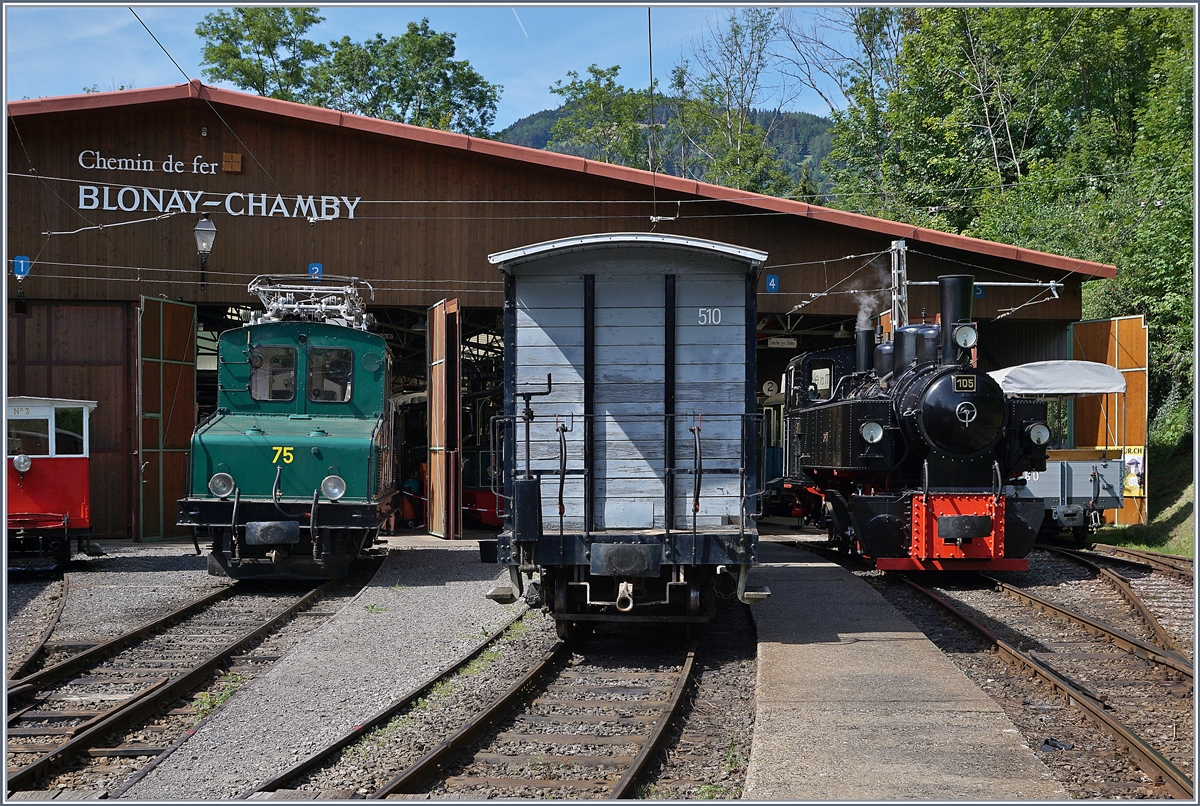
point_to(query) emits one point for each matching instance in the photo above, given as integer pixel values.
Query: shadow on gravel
(22, 590)
(183, 560)
(421, 566)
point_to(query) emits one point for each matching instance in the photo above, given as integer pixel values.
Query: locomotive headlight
(22, 463)
(966, 336)
(333, 487)
(221, 485)
(871, 431)
(1039, 433)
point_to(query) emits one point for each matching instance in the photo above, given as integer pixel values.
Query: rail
(436, 762)
(1161, 635)
(1168, 564)
(1118, 638)
(381, 718)
(22, 668)
(417, 775)
(1150, 760)
(142, 704)
(68, 666)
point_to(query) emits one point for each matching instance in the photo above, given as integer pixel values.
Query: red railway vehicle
(49, 501)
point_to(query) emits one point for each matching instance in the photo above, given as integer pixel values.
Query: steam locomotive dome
(959, 409)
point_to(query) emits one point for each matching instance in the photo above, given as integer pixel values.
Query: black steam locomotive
(910, 455)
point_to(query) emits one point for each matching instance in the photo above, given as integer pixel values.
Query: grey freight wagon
(1077, 484)
(628, 435)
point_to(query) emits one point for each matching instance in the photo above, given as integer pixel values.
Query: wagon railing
(504, 467)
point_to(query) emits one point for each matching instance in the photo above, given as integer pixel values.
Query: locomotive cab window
(820, 380)
(29, 436)
(273, 373)
(68, 432)
(329, 372)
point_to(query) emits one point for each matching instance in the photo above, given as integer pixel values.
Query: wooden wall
(1100, 420)
(85, 351)
(426, 219)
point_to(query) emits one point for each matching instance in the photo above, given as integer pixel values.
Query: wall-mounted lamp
(206, 233)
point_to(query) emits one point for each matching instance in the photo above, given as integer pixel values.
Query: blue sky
(60, 49)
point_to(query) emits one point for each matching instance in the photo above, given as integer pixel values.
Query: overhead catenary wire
(115, 224)
(250, 274)
(208, 102)
(173, 281)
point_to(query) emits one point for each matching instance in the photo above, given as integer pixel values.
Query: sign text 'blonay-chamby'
(142, 199)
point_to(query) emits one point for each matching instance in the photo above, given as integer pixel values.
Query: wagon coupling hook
(625, 597)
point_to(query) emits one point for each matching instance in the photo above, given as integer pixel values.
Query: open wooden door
(1115, 421)
(445, 421)
(166, 412)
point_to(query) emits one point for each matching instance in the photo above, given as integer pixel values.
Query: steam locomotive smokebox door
(527, 510)
(626, 559)
(268, 533)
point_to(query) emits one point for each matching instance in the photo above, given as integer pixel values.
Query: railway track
(74, 708)
(1166, 564)
(1139, 693)
(24, 666)
(1163, 605)
(279, 785)
(576, 724)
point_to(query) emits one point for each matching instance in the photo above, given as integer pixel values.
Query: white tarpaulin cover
(1060, 378)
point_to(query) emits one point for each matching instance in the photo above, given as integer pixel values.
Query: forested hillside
(799, 138)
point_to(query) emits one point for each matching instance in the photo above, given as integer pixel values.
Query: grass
(376, 738)
(517, 630)
(208, 701)
(1171, 496)
(734, 759)
(374, 608)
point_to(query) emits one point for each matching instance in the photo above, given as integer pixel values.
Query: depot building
(110, 300)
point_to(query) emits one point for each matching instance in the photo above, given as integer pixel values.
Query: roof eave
(493, 149)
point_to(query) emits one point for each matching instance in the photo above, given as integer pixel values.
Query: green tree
(1066, 130)
(262, 50)
(412, 78)
(603, 120)
(812, 51)
(713, 136)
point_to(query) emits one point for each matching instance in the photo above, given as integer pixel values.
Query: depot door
(445, 421)
(1116, 421)
(166, 403)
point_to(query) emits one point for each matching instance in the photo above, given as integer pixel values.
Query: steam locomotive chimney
(864, 349)
(957, 292)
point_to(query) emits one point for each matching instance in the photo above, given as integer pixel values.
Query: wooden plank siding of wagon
(629, 357)
(550, 342)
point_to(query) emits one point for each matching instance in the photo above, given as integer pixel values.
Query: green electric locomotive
(293, 474)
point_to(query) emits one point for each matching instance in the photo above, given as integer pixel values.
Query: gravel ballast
(423, 609)
(130, 585)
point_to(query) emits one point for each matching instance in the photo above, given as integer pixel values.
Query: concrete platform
(854, 703)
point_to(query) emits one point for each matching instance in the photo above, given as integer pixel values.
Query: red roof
(492, 148)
